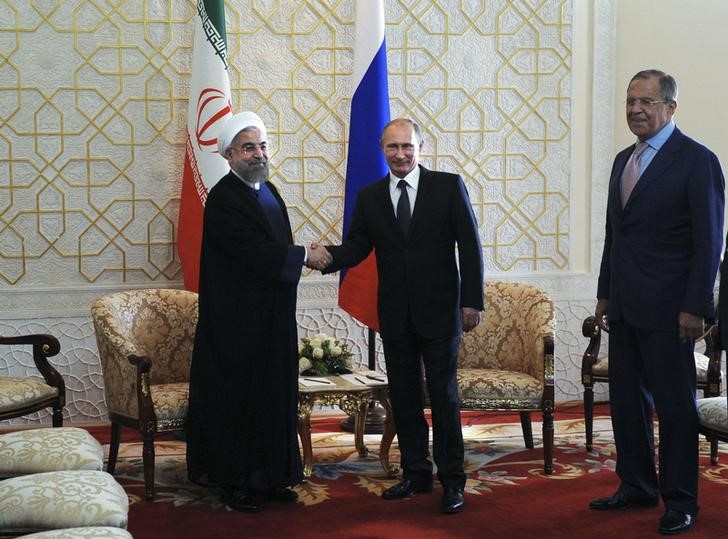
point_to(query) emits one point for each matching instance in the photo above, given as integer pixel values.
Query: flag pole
(376, 415)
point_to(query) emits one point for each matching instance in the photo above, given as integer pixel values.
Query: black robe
(241, 423)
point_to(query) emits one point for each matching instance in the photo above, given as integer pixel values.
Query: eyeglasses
(250, 148)
(643, 102)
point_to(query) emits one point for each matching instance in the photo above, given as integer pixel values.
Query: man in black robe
(241, 423)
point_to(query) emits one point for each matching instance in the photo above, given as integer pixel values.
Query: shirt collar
(659, 138)
(412, 179)
(255, 186)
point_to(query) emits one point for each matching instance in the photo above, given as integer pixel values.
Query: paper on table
(375, 378)
(365, 378)
(356, 379)
(314, 382)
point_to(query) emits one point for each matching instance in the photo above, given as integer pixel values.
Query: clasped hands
(319, 257)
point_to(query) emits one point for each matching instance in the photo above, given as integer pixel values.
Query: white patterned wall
(92, 116)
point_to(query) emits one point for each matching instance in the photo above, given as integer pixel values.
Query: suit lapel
(660, 163)
(424, 190)
(614, 199)
(383, 200)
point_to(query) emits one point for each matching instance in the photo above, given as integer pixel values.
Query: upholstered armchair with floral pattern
(507, 362)
(145, 340)
(22, 395)
(595, 368)
(713, 422)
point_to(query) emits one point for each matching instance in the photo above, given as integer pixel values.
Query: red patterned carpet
(507, 494)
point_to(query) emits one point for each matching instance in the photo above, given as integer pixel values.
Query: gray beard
(258, 175)
(253, 176)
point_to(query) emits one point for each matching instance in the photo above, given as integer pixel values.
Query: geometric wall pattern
(92, 114)
(93, 104)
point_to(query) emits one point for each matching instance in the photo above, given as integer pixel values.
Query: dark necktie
(404, 213)
(632, 172)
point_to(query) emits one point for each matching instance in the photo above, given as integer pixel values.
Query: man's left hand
(470, 318)
(690, 326)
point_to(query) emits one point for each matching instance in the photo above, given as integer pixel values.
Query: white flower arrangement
(322, 355)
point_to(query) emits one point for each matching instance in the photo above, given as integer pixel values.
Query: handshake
(319, 257)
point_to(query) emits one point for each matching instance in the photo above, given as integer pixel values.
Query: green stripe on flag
(212, 13)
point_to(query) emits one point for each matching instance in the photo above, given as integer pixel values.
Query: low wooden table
(352, 399)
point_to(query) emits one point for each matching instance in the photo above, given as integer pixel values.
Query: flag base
(374, 423)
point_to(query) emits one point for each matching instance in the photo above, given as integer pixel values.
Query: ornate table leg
(387, 435)
(305, 406)
(359, 423)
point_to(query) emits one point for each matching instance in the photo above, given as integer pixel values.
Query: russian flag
(365, 163)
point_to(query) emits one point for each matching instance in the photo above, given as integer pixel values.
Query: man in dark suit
(242, 417)
(723, 301)
(414, 218)
(661, 252)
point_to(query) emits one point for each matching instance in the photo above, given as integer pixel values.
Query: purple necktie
(632, 171)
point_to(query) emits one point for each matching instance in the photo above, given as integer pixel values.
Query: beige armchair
(22, 395)
(713, 422)
(145, 340)
(507, 362)
(595, 368)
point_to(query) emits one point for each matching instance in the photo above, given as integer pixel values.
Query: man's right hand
(601, 314)
(318, 257)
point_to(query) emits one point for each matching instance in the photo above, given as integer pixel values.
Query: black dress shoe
(243, 500)
(452, 500)
(405, 489)
(282, 494)
(622, 501)
(674, 522)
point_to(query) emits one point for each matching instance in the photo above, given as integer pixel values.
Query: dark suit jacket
(418, 273)
(723, 303)
(661, 251)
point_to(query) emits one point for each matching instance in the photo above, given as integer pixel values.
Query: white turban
(234, 125)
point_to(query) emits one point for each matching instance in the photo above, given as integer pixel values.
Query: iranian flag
(209, 106)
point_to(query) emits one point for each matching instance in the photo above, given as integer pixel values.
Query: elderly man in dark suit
(414, 218)
(661, 252)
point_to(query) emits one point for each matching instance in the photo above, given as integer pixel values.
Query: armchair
(145, 340)
(20, 396)
(595, 368)
(507, 362)
(713, 422)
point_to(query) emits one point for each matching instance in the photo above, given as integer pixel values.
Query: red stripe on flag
(358, 292)
(189, 228)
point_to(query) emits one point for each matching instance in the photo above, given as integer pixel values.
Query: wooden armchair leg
(527, 431)
(57, 416)
(589, 416)
(548, 442)
(148, 460)
(713, 451)
(114, 447)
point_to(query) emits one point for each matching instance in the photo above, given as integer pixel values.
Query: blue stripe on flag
(369, 115)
